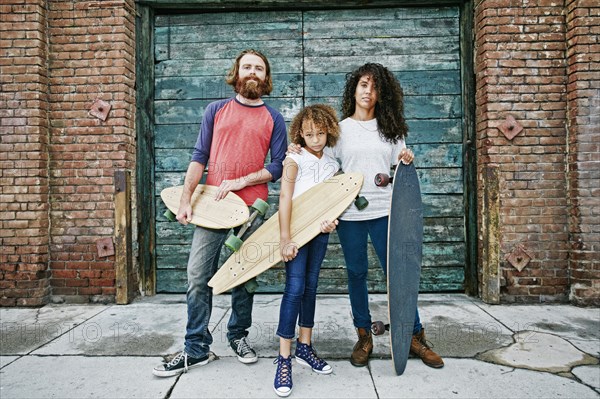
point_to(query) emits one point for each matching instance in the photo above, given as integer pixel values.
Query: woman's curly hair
(324, 118)
(389, 109)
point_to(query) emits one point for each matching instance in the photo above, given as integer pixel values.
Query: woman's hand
(406, 156)
(289, 250)
(327, 226)
(294, 149)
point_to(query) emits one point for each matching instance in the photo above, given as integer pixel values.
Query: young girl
(314, 128)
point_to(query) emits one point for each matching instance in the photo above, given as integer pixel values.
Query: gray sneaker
(244, 352)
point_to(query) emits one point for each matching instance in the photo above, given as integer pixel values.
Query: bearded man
(235, 137)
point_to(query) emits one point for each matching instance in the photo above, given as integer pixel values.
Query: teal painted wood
(420, 45)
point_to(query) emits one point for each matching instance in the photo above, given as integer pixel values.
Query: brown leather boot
(362, 349)
(420, 348)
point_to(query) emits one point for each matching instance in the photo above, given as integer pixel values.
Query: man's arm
(192, 178)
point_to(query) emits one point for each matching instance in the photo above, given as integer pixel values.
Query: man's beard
(251, 87)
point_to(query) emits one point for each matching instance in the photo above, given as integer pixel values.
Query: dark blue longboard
(405, 246)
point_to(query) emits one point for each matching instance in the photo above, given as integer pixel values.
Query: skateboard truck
(234, 242)
(379, 328)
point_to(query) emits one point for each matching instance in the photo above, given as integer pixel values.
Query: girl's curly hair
(324, 118)
(389, 109)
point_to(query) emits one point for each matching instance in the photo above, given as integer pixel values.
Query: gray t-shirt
(361, 149)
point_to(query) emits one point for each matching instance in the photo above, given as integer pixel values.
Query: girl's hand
(289, 250)
(327, 226)
(406, 156)
(294, 149)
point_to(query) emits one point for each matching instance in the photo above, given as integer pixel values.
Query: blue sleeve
(278, 146)
(204, 141)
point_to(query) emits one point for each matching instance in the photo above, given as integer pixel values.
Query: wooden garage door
(310, 53)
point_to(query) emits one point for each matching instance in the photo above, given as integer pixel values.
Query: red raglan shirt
(234, 141)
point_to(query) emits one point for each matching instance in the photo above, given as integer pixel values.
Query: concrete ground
(108, 351)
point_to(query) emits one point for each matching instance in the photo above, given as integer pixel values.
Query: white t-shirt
(312, 170)
(361, 149)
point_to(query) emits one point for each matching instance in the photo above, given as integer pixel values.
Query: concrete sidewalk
(108, 351)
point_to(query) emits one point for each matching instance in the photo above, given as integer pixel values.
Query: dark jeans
(301, 280)
(353, 237)
(202, 265)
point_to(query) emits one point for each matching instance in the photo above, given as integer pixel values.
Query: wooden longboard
(325, 201)
(405, 246)
(229, 212)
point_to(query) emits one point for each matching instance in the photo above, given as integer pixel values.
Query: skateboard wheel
(382, 179)
(234, 243)
(378, 328)
(260, 206)
(361, 203)
(251, 286)
(170, 216)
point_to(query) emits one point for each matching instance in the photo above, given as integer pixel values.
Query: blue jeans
(301, 280)
(202, 265)
(353, 237)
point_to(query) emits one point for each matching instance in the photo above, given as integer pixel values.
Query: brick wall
(583, 162)
(24, 221)
(92, 49)
(58, 161)
(521, 71)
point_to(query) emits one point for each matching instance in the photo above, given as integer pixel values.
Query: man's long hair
(233, 74)
(389, 109)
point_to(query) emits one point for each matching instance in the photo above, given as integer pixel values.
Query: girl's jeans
(202, 265)
(353, 237)
(301, 280)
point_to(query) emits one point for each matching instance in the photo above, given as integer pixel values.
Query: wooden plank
(191, 111)
(443, 155)
(284, 5)
(415, 107)
(176, 136)
(226, 50)
(385, 46)
(412, 82)
(396, 14)
(349, 29)
(144, 123)
(228, 33)
(397, 62)
(219, 67)
(215, 87)
(490, 231)
(433, 131)
(221, 18)
(124, 275)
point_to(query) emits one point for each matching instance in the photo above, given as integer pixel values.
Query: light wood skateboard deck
(325, 201)
(229, 212)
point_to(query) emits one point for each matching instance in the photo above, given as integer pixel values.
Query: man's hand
(229, 185)
(294, 149)
(184, 215)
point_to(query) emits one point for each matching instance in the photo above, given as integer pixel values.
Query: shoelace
(242, 346)
(363, 341)
(177, 359)
(316, 361)
(284, 374)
